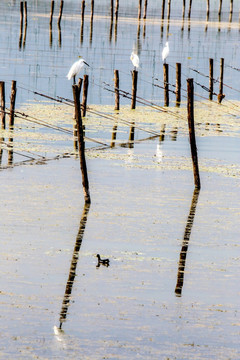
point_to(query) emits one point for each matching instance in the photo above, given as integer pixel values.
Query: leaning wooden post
(92, 10)
(21, 15)
(189, 9)
(134, 89)
(60, 13)
(210, 79)
(81, 144)
(12, 103)
(51, 13)
(84, 96)
(163, 8)
(111, 10)
(169, 9)
(220, 8)
(116, 88)
(2, 94)
(165, 80)
(25, 13)
(231, 11)
(208, 9)
(190, 105)
(178, 84)
(221, 95)
(183, 9)
(116, 10)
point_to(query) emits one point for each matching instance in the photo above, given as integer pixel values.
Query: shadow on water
(73, 266)
(186, 238)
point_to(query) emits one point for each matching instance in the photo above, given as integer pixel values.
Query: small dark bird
(104, 262)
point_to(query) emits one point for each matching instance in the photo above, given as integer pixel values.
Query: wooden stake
(145, 9)
(165, 80)
(82, 22)
(178, 84)
(190, 105)
(25, 12)
(111, 10)
(208, 9)
(2, 94)
(51, 13)
(60, 12)
(85, 94)
(116, 10)
(139, 9)
(12, 103)
(190, 9)
(210, 79)
(163, 8)
(134, 88)
(231, 11)
(221, 95)
(81, 144)
(169, 9)
(116, 87)
(183, 10)
(92, 10)
(220, 8)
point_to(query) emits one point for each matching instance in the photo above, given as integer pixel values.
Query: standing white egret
(75, 69)
(165, 52)
(135, 60)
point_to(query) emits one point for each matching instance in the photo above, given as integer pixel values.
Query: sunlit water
(144, 210)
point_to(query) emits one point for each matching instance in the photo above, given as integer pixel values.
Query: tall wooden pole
(190, 106)
(221, 95)
(12, 103)
(116, 87)
(210, 79)
(81, 144)
(165, 81)
(60, 12)
(178, 84)
(85, 94)
(2, 94)
(134, 89)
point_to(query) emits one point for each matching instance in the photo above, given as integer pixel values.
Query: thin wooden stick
(116, 87)
(134, 89)
(210, 79)
(60, 12)
(165, 80)
(51, 13)
(221, 95)
(178, 84)
(85, 94)
(12, 103)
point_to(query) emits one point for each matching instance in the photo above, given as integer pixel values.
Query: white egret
(135, 60)
(75, 69)
(165, 52)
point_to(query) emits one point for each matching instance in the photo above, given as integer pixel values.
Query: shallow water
(171, 290)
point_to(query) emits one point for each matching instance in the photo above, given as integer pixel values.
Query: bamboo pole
(134, 89)
(12, 103)
(190, 106)
(2, 94)
(84, 95)
(210, 79)
(178, 84)
(81, 144)
(116, 87)
(165, 80)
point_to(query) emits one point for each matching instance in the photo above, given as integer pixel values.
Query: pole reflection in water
(73, 267)
(183, 253)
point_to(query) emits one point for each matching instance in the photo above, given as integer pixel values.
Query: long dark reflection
(73, 267)
(186, 237)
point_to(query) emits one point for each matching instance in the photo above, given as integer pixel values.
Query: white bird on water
(165, 52)
(75, 69)
(135, 60)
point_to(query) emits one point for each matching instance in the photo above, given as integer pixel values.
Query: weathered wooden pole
(210, 79)
(208, 9)
(82, 22)
(51, 12)
(221, 95)
(84, 95)
(25, 13)
(220, 9)
(190, 106)
(145, 9)
(183, 9)
(21, 15)
(189, 9)
(139, 9)
(81, 144)
(92, 9)
(2, 94)
(75, 134)
(116, 88)
(169, 9)
(163, 8)
(134, 89)
(114, 136)
(178, 84)
(165, 81)
(60, 12)
(231, 11)
(116, 10)
(12, 103)
(131, 135)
